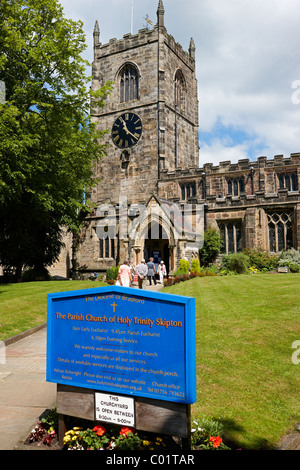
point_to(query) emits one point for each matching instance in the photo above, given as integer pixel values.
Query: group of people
(143, 271)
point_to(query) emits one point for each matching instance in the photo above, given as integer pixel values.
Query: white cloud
(247, 60)
(218, 151)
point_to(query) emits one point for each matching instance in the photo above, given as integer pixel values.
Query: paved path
(24, 392)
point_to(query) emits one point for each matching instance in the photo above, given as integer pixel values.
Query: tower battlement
(142, 38)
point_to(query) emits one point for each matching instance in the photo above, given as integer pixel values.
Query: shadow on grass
(3, 287)
(231, 428)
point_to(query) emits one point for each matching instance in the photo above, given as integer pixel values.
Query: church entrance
(156, 245)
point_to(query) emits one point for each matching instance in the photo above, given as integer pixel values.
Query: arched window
(129, 83)
(179, 90)
(280, 231)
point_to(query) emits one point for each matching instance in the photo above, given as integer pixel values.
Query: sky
(247, 66)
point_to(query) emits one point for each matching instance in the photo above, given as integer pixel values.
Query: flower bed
(112, 438)
(205, 435)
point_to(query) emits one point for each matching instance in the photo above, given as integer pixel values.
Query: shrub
(212, 270)
(31, 275)
(112, 273)
(237, 262)
(290, 258)
(261, 260)
(211, 247)
(168, 282)
(294, 268)
(195, 267)
(177, 279)
(194, 274)
(183, 267)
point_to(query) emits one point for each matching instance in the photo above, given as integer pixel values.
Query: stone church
(153, 199)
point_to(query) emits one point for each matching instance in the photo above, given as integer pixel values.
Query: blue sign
(123, 340)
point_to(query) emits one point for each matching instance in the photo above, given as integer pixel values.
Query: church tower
(152, 113)
(152, 122)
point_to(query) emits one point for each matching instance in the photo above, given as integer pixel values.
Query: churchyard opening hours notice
(123, 341)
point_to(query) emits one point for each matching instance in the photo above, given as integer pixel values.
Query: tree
(48, 144)
(211, 247)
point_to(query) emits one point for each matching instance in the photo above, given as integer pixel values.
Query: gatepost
(123, 356)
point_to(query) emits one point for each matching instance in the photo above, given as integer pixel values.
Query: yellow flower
(66, 439)
(147, 443)
(159, 439)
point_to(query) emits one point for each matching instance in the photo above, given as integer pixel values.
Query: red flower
(47, 440)
(217, 441)
(125, 431)
(99, 430)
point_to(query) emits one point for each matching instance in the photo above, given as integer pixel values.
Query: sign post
(120, 355)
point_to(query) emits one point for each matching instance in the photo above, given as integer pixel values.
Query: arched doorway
(156, 245)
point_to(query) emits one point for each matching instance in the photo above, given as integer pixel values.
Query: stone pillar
(250, 228)
(172, 257)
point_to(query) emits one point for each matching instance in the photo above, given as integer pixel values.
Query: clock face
(127, 130)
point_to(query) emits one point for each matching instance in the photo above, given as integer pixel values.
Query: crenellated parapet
(129, 41)
(266, 180)
(143, 37)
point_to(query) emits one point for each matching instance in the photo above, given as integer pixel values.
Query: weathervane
(148, 22)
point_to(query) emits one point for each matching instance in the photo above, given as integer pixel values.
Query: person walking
(161, 271)
(124, 276)
(132, 267)
(151, 272)
(142, 271)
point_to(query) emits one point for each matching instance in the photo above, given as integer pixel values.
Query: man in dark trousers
(151, 272)
(142, 271)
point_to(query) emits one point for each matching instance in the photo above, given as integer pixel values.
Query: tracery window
(129, 83)
(280, 231)
(231, 235)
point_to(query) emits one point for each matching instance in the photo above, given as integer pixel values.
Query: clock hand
(128, 132)
(126, 129)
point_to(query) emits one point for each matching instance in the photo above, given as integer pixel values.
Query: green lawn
(245, 329)
(245, 376)
(24, 305)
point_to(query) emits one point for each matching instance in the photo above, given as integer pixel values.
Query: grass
(24, 306)
(245, 329)
(245, 376)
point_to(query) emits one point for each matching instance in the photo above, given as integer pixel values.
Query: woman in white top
(125, 274)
